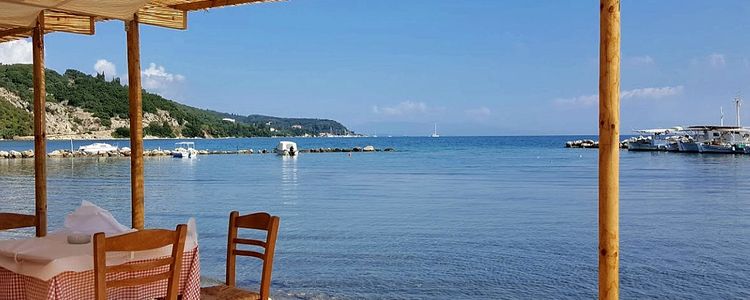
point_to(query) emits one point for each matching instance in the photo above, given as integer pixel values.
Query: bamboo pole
(40, 132)
(136, 123)
(609, 147)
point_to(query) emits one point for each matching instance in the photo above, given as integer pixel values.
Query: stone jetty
(125, 152)
(590, 144)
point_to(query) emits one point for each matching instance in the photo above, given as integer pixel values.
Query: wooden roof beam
(54, 21)
(163, 16)
(16, 31)
(206, 4)
(40, 5)
(65, 22)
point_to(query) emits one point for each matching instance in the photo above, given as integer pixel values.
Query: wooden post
(40, 132)
(136, 123)
(609, 149)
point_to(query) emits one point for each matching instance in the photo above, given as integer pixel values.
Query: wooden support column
(40, 132)
(609, 149)
(136, 123)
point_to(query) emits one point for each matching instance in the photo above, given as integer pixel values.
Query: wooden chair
(139, 241)
(258, 221)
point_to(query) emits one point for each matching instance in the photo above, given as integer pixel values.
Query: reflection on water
(289, 179)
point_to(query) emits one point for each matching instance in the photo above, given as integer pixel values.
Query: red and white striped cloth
(80, 285)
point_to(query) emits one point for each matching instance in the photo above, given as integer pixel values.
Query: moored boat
(655, 140)
(287, 148)
(687, 144)
(185, 150)
(97, 148)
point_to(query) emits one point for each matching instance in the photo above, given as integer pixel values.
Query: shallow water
(445, 218)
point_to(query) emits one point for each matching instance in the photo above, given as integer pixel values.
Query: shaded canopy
(18, 17)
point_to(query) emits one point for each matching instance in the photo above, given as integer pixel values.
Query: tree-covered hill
(107, 102)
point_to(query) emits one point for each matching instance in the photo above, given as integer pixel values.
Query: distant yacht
(434, 133)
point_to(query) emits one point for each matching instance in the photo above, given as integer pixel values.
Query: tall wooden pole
(609, 149)
(136, 123)
(40, 132)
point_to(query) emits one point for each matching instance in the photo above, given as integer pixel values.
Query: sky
(390, 67)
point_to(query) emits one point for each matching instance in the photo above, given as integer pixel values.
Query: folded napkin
(89, 219)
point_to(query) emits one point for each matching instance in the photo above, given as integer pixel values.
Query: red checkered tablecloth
(80, 285)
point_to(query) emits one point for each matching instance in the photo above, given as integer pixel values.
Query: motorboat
(185, 150)
(654, 140)
(287, 148)
(97, 148)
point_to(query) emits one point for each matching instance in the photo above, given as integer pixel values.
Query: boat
(185, 150)
(714, 139)
(97, 148)
(434, 133)
(687, 144)
(725, 139)
(287, 148)
(655, 140)
(716, 148)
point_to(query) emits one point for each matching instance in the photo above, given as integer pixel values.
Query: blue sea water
(441, 218)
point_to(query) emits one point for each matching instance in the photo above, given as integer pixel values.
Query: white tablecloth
(46, 257)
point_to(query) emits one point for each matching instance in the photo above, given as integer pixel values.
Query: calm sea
(441, 218)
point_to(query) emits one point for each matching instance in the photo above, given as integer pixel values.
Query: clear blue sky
(481, 67)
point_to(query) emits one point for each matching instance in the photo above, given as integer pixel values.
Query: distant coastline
(82, 106)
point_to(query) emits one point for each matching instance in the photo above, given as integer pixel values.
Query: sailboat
(434, 133)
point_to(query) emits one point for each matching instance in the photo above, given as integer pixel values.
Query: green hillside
(14, 121)
(107, 99)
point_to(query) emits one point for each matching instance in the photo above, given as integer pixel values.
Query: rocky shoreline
(125, 152)
(591, 144)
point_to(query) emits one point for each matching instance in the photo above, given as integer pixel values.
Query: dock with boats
(691, 139)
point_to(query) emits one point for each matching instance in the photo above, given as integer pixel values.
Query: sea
(439, 218)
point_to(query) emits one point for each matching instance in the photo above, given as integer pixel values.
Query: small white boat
(287, 148)
(185, 150)
(434, 133)
(97, 148)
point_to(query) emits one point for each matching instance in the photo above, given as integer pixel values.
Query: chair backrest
(139, 241)
(13, 221)
(259, 221)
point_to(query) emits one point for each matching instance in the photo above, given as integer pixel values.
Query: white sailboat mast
(722, 115)
(737, 103)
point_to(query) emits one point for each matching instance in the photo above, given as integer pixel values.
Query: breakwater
(126, 152)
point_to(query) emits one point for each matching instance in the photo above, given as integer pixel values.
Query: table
(50, 268)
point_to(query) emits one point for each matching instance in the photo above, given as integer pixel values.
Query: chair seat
(223, 292)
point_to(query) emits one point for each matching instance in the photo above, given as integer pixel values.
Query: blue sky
(473, 67)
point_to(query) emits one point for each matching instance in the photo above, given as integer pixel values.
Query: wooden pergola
(33, 18)
(21, 19)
